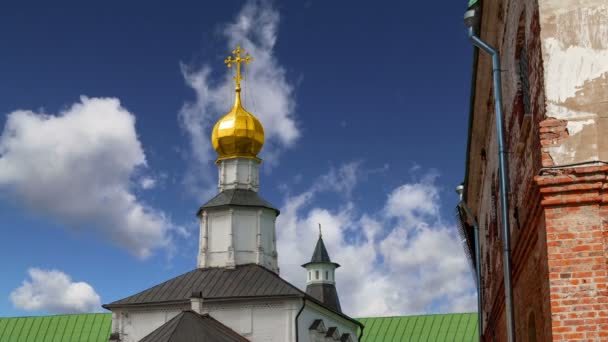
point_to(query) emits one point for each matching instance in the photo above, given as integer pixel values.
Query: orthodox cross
(237, 59)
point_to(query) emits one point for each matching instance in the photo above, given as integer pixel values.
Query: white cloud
(76, 168)
(403, 260)
(266, 93)
(147, 183)
(54, 292)
(415, 203)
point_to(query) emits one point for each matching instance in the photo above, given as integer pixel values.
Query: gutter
(471, 115)
(360, 332)
(472, 21)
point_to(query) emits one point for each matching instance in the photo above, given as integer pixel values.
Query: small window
(316, 274)
(309, 275)
(326, 275)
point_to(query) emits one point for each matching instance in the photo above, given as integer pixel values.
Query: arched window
(326, 274)
(317, 275)
(309, 275)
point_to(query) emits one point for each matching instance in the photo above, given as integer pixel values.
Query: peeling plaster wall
(566, 44)
(574, 37)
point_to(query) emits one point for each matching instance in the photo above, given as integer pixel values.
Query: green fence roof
(96, 328)
(59, 328)
(431, 328)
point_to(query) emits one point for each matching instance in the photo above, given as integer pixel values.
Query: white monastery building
(236, 292)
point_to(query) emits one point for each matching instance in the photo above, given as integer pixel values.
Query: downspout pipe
(462, 204)
(361, 327)
(298, 316)
(503, 166)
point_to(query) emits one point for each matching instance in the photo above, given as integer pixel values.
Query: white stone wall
(135, 324)
(263, 321)
(236, 236)
(258, 320)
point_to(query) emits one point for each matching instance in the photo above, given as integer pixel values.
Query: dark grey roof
(189, 326)
(237, 197)
(326, 294)
(320, 254)
(243, 281)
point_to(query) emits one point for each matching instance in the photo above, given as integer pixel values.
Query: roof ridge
(56, 315)
(421, 315)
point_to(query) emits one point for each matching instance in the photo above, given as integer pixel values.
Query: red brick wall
(576, 216)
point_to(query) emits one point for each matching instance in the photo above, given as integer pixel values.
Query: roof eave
(200, 210)
(320, 262)
(471, 112)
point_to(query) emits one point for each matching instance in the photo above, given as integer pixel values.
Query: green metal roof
(59, 328)
(431, 328)
(96, 328)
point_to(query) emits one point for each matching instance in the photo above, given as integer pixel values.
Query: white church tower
(235, 293)
(237, 226)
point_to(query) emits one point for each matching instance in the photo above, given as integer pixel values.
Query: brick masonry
(576, 215)
(558, 211)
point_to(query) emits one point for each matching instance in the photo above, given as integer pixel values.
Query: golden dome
(238, 133)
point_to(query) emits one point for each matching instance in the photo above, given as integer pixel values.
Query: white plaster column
(231, 253)
(204, 241)
(259, 248)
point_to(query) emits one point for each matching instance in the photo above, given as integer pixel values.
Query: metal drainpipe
(504, 171)
(298, 316)
(464, 207)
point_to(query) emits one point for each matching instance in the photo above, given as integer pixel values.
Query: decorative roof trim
(318, 325)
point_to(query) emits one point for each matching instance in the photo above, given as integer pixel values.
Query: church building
(236, 292)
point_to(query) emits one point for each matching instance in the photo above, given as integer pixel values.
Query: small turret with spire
(321, 280)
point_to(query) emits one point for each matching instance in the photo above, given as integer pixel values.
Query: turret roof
(320, 254)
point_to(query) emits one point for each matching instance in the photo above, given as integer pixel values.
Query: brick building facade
(554, 56)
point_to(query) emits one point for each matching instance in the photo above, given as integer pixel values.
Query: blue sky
(105, 156)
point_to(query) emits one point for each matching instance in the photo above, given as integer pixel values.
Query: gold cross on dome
(237, 59)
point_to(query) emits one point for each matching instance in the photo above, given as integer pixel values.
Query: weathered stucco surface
(574, 37)
(555, 113)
